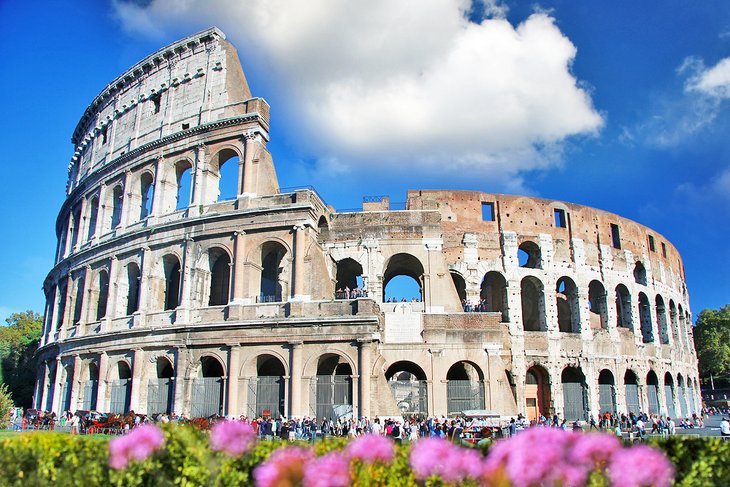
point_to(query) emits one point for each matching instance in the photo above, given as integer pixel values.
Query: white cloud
(714, 81)
(380, 82)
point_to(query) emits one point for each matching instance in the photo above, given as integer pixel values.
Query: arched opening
(597, 305)
(61, 290)
(606, 392)
(669, 395)
(160, 389)
(103, 289)
(494, 293)
(207, 398)
(533, 304)
(529, 255)
(146, 191)
(91, 388)
(121, 389)
(78, 300)
(661, 319)
(133, 281)
(184, 179)
(75, 226)
(333, 396)
(682, 393)
(67, 388)
(227, 164)
(631, 383)
(464, 388)
(272, 285)
(645, 319)
(575, 394)
(682, 329)
(460, 287)
(652, 392)
(220, 277)
(640, 274)
(403, 279)
(268, 387)
(93, 216)
(51, 388)
(673, 319)
(171, 268)
(408, 384)
(117, 202)
(323, 228)
(623, 308)
(537, 393)
(349, 279)
(566, 299)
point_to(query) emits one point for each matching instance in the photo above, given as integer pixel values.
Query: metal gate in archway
(652, 393)
(574, 397)
(632, 398)
(66, 396)
(463, 395)
(121, 393)
(90, 391)
(266, 394)
(411, 396)
(332, 396)
(682, 402)
(159, 396)
(607, 398)
(669, 394)
(207, 397)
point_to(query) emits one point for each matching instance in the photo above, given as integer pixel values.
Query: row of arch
(133, 197)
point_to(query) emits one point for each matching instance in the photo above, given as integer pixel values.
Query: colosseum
(186, 280)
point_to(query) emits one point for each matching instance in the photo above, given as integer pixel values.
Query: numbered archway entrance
(606, 392)
(537, 393)
(574, 394)
(464, 388)
(631, 383)
(160, 389)
(266, 391)
(408, 384)
(332, 388)
(208, 389)
(121, 389)
(652, 392)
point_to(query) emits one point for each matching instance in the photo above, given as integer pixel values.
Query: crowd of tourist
(348, 293)
(630, 426)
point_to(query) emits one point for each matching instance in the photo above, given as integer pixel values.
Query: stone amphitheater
(171, 294)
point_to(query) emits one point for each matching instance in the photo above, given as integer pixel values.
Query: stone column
(239, 259)
(186, 291)
(138, 365)
(143, 307)
(181, 365)
(197, 197)
(295, 372)
(76, 384)
(102, 404)
(253, 143)
(356, 412)
(234, 360)
(113, 296)
(56, 406)
(298, 287)
(366, 361)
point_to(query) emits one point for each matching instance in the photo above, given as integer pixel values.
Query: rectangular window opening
(103, 136)
(185, 126)
(156, 100)
(615, 236)
(559, 218)
(664, 250)
(488, 212)
(651, 243)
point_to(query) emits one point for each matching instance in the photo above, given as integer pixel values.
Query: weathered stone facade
(167, 296)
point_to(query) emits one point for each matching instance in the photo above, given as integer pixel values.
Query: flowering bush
(232, 437)
(176, 455)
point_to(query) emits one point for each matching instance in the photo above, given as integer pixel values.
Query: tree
(6, 403)
(712, 342)
(18, 343)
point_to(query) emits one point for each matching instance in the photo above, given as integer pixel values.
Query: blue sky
(625, 107)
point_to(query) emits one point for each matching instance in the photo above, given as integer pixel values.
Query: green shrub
(60, 459)
(6, 404)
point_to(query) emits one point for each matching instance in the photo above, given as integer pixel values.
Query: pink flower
(371, 448)
(284, 467)
(591, 450)
(434, 456)
(640, 466)
(232, 437)
(331, 470)
(138, 445)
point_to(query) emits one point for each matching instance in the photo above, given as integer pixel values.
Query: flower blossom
(232, 437)
(640, 466)
(331, 470)
(371, 448)
(435, 456)
(285, 467)
(138, 445)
